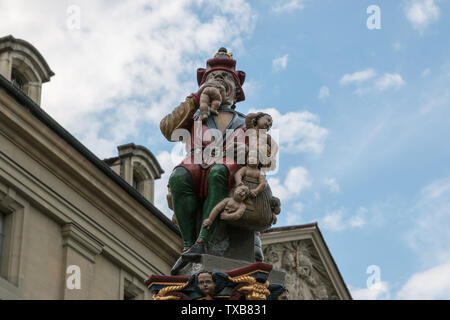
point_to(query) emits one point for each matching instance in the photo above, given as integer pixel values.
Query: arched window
(136, 181)
(18, 80)
(140, 168)
(139, 177)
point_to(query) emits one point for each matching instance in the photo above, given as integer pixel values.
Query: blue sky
(363, 114)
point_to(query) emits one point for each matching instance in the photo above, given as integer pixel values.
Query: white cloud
(357, 77)
(335, 220)
(389, 81)
(251, 88)
(280, 63)
(433, 283)
(131, 61)
(430, 217)
(165, 160)
(421, 13)
(435, 102)
(288, 5)
(378, 291)
(436, 189)
(324, 93)
(293, 217)
(297, 180)
(372, 83)
(332, 185)
(297, 131)
(359, 219)
(428, 236)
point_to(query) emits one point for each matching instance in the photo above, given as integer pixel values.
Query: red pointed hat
(223, 61)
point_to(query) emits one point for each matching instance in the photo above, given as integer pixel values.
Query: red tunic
(201, 137)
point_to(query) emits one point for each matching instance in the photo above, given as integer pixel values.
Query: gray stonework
(306, 277)
(233, 242)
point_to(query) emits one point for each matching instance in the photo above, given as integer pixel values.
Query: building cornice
(80, 240)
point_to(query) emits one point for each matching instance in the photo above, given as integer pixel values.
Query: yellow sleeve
(181, 117)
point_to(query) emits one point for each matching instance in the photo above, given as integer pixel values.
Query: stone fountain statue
(219, 193)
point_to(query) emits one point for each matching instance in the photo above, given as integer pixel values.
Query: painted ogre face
(227, 81)
(206, 283)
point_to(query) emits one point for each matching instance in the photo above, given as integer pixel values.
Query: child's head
(263, 121)
(241, 192)
(275, 205)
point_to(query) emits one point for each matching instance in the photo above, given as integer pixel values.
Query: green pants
(187, 206)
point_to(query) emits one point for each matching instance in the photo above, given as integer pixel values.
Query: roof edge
(47, 120)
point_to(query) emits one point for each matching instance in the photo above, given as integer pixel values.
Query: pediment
(301, 252)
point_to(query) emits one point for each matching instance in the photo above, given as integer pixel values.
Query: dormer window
(138, 167)
(24, 66)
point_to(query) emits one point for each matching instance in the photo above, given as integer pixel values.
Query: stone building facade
(64, 212)
(73, 226)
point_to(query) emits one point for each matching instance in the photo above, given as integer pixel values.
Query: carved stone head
(206, 283)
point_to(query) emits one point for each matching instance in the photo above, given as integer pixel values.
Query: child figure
(258, 121)
(262, 122)
(211, 97)
(275, 205)
(252, 175)
(231, 208)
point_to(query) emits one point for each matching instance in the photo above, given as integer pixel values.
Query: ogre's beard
(213, 79)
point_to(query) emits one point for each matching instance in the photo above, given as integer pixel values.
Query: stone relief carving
(306, 277)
